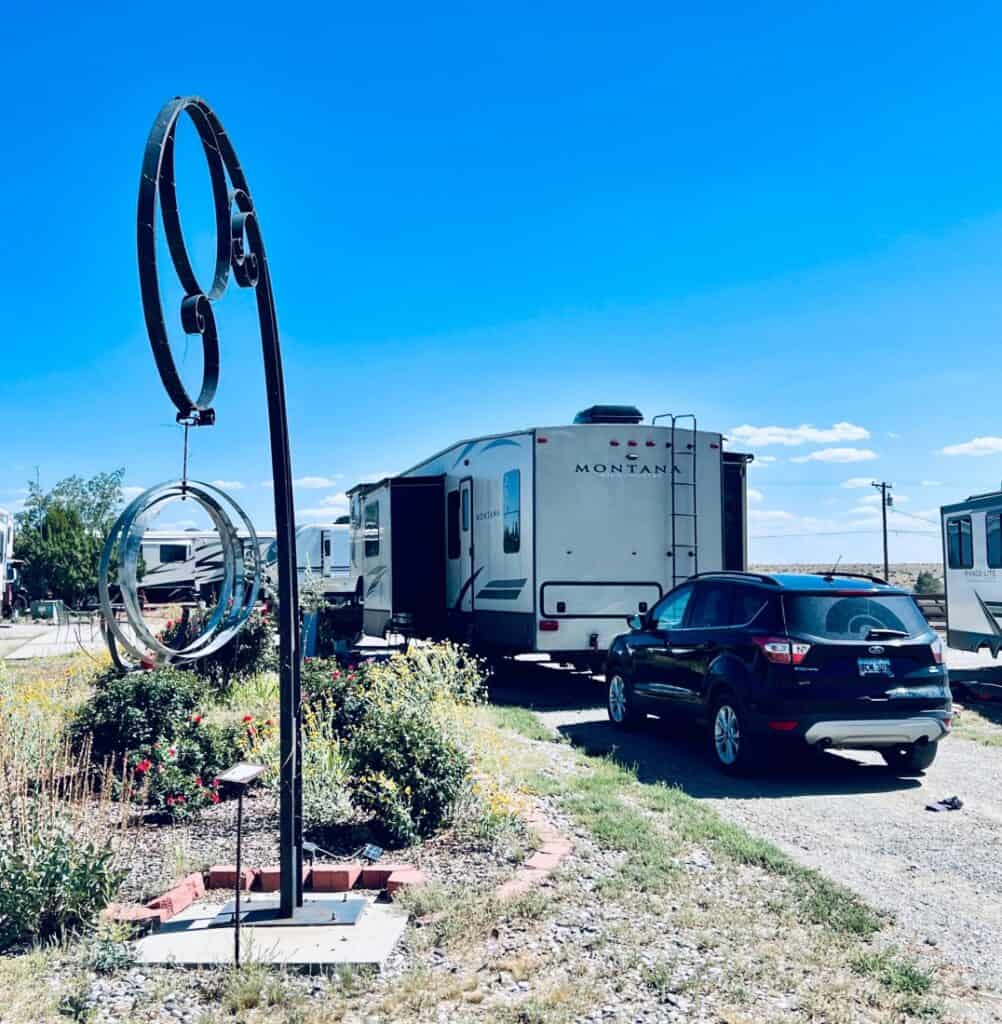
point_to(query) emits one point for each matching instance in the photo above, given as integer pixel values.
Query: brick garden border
(316, 878)
(343, 877)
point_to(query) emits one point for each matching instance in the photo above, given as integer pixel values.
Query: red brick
(543, 861)
(132, 914)
(224, 876)
(335, 877)
(374, 876)
(408, 879)
(520, 884)
(270, 877)
(173, 901)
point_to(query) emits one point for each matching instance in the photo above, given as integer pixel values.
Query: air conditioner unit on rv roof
(609, 414)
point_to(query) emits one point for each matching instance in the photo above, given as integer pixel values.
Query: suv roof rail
(854, 576)
(761, 576)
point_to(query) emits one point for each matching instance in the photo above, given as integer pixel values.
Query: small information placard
(242, 774)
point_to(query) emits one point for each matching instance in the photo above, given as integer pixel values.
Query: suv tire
(911, 760)
(733, 747)
(620, 703)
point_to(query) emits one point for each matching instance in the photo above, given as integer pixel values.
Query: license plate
(875, 667)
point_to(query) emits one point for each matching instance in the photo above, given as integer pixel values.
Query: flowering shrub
(251, 650)
(153, 720)
(132, 711)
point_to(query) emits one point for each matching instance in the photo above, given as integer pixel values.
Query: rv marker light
(632, 444)
(651, 444)
(548, 626)
(615, 444)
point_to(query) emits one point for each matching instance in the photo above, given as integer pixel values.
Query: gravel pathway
(939, 874)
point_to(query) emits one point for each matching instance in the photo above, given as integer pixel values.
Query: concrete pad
(187, 940)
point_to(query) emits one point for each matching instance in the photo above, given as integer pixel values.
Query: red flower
(215, 783)
(270, 722)
(198, 780)
(180, 799)
(251, 731)
(196, 719)
(248, 718)
(171, 752)
(170, 801)
(214, 798)
(144, 766)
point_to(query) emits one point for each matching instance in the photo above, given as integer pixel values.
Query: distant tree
(928, 583)
(60, 534)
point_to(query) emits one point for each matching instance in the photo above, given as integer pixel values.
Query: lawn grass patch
(523, 721)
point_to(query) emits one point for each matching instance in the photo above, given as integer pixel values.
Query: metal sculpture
(240, 247)
(238, 590)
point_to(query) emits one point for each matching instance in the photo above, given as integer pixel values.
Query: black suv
(829, 661)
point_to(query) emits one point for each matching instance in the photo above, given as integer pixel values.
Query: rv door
(465, 603)
(326, 554)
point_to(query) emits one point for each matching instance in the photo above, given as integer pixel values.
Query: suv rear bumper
(877, 732)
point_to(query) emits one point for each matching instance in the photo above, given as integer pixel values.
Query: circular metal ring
(237, 593)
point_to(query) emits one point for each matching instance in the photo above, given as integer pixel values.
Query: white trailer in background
(547, 539)
(13, 600)
(972, 560)
(185, 564)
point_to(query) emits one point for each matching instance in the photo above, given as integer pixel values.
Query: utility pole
(885, 501)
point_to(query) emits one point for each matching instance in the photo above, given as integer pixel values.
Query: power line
(911, 515)
(843, 533)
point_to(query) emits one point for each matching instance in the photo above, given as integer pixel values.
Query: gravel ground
(938, 874)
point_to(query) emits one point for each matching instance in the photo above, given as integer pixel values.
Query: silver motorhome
(547, 539)
(972, 560)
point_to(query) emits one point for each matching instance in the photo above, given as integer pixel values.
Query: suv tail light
(781, 650)
(937, 651)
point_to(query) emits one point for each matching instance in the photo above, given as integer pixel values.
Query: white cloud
(838, 455)
(764, 461)
(754, 495)
(371, 478)
(932, 483)
(857, 481)
(315, 483)
(759, 437)
(330, 507)
(228, 485)
(128, 493)
(976, 446)
(769, 515)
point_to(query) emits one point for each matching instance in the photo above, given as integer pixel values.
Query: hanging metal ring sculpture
(237, 592)
(240, 248)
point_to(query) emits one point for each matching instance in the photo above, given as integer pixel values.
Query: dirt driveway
(939, 874)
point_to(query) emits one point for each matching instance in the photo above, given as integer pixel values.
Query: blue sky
(481, 219)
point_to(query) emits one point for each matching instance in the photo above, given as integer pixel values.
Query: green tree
(60, 534)
(928, 583)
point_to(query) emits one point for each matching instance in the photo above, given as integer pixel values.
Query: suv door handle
(688, 648)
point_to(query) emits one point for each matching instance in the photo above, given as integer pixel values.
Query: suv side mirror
(636, 623)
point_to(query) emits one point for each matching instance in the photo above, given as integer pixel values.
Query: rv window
(173, 553)
(993, 529)
(372, 530)
(452, 526)
(512, 488)
(959, 543)
(466, 508)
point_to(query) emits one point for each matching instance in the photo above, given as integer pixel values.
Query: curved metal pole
(240, 247)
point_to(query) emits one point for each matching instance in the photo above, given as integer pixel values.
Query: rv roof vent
(609, 414)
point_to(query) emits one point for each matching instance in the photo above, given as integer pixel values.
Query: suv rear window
(838, 617)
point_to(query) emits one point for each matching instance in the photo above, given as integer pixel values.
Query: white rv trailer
(547, 539)
(186, 563)
(13, 600)
(972, 560)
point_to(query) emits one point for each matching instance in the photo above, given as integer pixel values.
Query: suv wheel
(911, 760)
(731, 743)
(619, 702)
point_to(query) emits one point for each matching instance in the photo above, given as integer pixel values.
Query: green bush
(53, 884)
(251, 650)
(132, 711)
(153, 721)
(410, 772)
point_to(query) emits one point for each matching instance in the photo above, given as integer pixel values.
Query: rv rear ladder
(683, 482)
